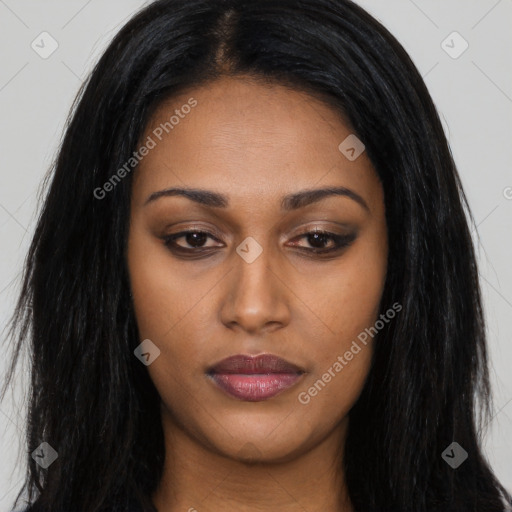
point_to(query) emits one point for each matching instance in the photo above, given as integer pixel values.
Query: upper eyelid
(350, 226)
(305, 231)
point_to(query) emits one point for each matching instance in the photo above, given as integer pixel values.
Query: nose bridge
(253, 263)
(256, 295)
(253, 269)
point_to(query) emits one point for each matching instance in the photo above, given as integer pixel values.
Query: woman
(252, 285)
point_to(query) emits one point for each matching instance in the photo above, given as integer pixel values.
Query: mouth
(254, 378)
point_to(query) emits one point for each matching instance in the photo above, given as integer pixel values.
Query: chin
(260, 442)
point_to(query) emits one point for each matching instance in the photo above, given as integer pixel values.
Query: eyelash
(340, 242)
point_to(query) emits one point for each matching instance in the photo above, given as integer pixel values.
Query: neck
(197, 478)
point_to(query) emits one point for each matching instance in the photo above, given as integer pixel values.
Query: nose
(257, 299)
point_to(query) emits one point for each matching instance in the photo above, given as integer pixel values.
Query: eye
(319, 238)
(321, 242)
(194, 239)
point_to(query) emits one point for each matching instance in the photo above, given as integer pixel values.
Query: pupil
(317, 237)
(196, 238)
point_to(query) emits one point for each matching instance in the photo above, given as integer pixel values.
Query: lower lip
(255, 387)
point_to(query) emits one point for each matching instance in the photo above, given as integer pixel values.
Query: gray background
(473, 94)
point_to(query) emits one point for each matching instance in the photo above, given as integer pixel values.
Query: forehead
(250, 140)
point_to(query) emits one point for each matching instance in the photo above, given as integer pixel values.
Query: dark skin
(254, 143)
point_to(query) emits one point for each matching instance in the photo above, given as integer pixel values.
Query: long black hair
(92, 400)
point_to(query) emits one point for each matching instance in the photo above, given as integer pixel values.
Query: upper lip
(247, 364)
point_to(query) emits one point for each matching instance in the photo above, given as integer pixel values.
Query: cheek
(158, 309)
(349, 296)
(342, 358)
(350, 299)
(164, 298)
(169, 311)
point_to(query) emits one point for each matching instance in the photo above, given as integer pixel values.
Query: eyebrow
(289, 202)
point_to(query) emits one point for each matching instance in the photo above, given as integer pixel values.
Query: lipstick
(254, 378)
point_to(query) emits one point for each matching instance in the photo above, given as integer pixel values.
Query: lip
(254, 378)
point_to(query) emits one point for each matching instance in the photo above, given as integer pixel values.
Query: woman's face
(250, 282)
